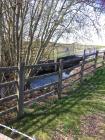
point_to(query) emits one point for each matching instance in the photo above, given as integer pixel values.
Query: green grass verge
(65, 114)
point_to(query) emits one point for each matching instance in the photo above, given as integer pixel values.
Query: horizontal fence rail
(7, 69)
(41, 65)
(8, 98)
(30, 102)
(17, 132)
(8, 83)
(80, 70)
(12, 109)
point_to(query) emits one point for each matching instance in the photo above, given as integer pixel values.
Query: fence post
(103, 58)
(60, 79)
(82, 67)
(20, 91)
(95, 63)
(55, 61)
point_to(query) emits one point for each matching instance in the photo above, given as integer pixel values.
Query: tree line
(35, 23)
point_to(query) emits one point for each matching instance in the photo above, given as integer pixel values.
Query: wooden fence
(90, 62)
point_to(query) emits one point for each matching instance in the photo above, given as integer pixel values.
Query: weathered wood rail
(97, 59)
(3, 137)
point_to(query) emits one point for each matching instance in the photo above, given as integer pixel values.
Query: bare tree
(32, 24)
(0, 29)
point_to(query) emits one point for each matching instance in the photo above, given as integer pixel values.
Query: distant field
(60, 50)
(71, 49)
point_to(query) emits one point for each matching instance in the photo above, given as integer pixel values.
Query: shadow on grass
(65, 113)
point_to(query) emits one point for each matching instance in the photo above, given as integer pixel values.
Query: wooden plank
(6, 69)
(103, 59)
(90, 72)
(3, 137)
(100, 56)
(8, 98)
(60, 79)
(41, 65)
(82, 68)
(95, 62)
(98, 67)
(8, 83)
(12, 109)
(17, 132)
(71, 76)
(89, 60)
(86, 56)
(30, 102)
(71, 84)
(100, 52)
(88, 67)
(99, 62)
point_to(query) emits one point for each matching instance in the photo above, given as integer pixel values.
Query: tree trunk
(0, 29)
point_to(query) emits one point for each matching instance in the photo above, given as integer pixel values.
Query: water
(54, 78)
(48, 80)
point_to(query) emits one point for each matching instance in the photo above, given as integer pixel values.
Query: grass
(65, 115)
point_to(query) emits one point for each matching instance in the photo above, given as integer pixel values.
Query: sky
(92, 38)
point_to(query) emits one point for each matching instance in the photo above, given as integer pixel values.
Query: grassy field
(79, 116)
(71, 49)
